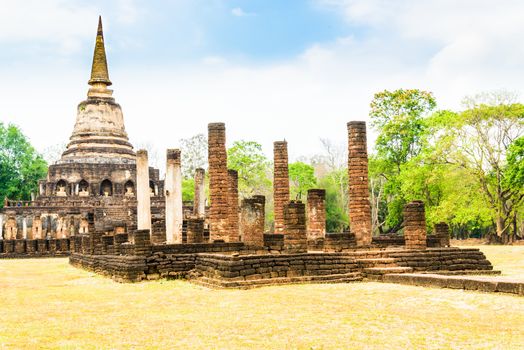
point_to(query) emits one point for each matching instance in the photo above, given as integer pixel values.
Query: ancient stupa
(99, 135)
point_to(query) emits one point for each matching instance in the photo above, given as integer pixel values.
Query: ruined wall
(33, 248)
(280, 183)
(359, 205)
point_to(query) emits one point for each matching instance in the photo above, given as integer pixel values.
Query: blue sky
(164, 32)
(269, 69)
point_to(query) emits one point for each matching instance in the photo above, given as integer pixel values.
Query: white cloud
(237, 11)
(45, 21)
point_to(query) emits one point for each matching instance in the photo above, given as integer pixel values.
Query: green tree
(515, 165)
(478, 141)
(253, 168)
(302, 178)
(20, 165)
(336, 213)
(188, 189)
(399, 118)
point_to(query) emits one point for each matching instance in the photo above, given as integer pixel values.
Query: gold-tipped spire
(99, 73)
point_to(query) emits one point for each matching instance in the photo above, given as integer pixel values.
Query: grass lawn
(45, 303)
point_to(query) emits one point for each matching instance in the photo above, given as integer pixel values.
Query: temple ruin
(108, 210)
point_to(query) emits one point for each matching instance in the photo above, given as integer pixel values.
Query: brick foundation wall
(339, 242)
(29, 248)
(274, 242)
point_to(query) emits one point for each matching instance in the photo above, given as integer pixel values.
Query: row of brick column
(224, 220)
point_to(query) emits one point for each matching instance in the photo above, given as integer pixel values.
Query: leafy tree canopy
(253, 168)
(20, 165)
(302, 178)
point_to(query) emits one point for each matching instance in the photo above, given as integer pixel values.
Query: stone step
(224, 283)
(478, 283)
(377, 262)
(377, 273)
(463, 272)
(385, 270)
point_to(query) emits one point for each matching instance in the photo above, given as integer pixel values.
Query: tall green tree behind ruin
(20, 165)
(485, 141)
(399, 118)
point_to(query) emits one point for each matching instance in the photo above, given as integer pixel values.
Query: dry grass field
(45, 303)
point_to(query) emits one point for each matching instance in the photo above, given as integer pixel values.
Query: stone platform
(236, 265)
(476, 283)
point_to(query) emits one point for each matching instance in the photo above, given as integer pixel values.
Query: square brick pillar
(316, 213)
(199, 204)
(280, 183)
(232, 200)
(442, 232)
(218, 183)
(359, 205)
(141, 239)
(252, 219)
(295, 235)
(195, 229)
(415, 225)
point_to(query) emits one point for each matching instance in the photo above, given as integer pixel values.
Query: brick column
(316, 213)
(280, 183)
(199, 205)
(195, 229)
(142, 191)
(173, 195)
(252, 219)
(232, 201)
(295, 235)
(442, 232)
(359, 206)
(218, 182)
(415, 225)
